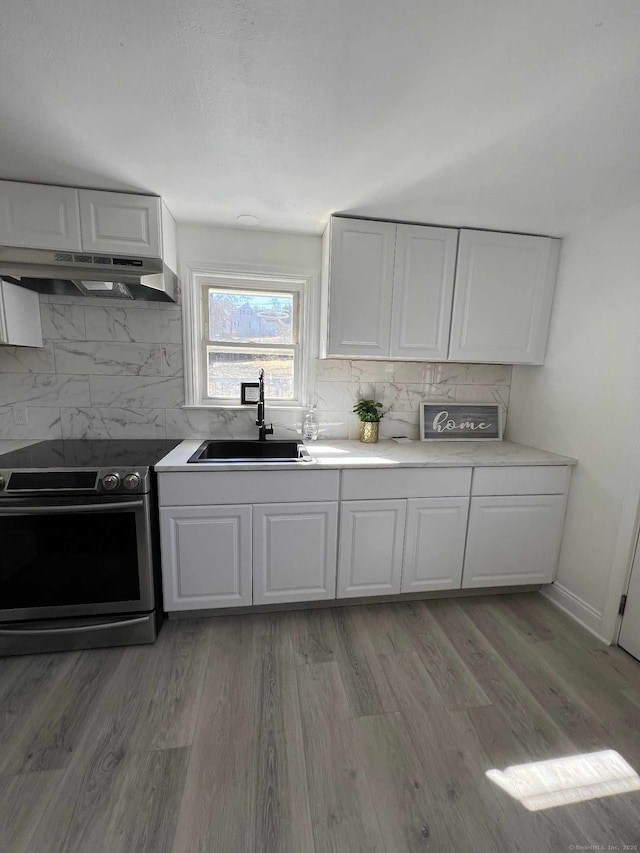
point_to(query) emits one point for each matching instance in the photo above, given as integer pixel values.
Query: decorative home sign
(460, 422)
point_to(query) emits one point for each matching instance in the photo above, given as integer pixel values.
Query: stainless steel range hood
(89, 274)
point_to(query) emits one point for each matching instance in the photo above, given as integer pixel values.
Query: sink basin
(239, 451)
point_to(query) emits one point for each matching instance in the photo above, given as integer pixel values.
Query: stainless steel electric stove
(79, 558)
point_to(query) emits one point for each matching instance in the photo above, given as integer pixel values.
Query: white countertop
(384, 454)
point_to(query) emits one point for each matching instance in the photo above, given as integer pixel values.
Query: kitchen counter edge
(343, 454)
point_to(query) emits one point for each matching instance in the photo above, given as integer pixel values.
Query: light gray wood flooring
(347, 729)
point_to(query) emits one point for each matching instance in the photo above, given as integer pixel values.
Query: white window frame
(200, 276)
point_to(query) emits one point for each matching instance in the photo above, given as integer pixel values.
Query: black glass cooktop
(92, 453)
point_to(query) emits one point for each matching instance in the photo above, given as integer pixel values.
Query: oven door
(74, 557)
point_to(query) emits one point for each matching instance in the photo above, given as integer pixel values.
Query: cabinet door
(513, 539)
(503, 295)
(117, 223)
(39, 217)
(360, 284)
(206, 556)
(294, 555)
(425, 263)
(434, 545)
(19, 316)
(371, 547)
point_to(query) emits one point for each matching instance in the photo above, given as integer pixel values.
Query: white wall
(209, 244)
(585, 402)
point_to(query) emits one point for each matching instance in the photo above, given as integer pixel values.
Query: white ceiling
(515, 114)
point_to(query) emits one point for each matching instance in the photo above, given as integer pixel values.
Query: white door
(434, 544)
(39, 217)
(19, 316)
(629, 637)
(206, 556)
(422, 292)
(360, 285)
(371, 547)
(513, 539)
(502, 299)
(117, 223)
(294, 552)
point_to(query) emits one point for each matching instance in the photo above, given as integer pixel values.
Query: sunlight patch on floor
(560, 781)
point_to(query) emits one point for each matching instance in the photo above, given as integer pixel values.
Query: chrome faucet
(263, 429)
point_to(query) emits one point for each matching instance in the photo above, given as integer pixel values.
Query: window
(244, 331)
(240, 324)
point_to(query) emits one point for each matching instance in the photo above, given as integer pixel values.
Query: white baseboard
(573, 606)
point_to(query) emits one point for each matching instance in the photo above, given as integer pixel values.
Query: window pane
(256, 316)
(227, 369)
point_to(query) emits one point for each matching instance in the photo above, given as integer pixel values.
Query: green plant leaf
(369, 411)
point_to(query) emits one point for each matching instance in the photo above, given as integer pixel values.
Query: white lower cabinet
(437, 529)
(371, 547)
(434, 543)
(294, 552)
(206, 556)
(513, 539)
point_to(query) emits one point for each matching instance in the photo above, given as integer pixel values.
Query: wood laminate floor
(348, 729)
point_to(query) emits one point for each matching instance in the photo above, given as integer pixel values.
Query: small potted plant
(370, 414)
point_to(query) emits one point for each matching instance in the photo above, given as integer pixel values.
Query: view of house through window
(245, 330)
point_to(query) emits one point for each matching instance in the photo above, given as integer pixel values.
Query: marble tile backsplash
(401, 387)
(112, 369)
(109, 369)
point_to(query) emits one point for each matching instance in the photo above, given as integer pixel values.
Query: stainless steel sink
(239, 451)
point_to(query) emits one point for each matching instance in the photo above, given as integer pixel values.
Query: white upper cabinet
(413, 292)
(503, 295)
(19, 316)
(117, 223)
(360, 269)
(39, 217)
(424, 272)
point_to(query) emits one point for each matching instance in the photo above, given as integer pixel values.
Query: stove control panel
(132, 481)
(110, 482)
(123, 481)
(69, 481)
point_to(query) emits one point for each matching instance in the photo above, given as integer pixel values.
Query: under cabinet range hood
(89, 274)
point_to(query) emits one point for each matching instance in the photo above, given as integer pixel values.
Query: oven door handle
(50, 510)
(21, 632)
